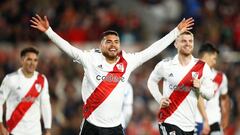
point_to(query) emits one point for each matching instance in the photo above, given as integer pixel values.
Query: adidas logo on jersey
(170, 75)
(100, 66)
(18, 88)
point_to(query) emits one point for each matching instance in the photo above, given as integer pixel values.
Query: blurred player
(184, 79)
(217, 112)
(106, 71)
(26, 94)
(127, 108)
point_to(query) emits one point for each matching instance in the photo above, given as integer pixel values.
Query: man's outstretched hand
(185, 24)
(39, 23)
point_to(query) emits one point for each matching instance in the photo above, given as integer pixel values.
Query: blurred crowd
(139, 23)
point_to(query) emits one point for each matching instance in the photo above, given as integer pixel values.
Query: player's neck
(27, 74)
(111, 60)
(184, 59)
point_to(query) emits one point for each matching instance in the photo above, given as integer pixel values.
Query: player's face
(210, 59)
(110, 46)
(29, 62)
(184, 44)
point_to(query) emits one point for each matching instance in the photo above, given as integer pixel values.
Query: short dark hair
(27, 50)
(108, 32)
(207, 48)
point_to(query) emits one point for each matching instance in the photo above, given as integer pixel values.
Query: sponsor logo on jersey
(110, 78)
(28, 99)
(181, 87)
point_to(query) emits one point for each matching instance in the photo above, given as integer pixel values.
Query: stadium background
(140, 23)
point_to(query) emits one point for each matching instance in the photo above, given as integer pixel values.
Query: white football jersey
(108, 113)
(127, 108)
(212, 107)
(172, 72)
(13, 90)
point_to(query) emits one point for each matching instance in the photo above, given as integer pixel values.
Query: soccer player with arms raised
(106, 72)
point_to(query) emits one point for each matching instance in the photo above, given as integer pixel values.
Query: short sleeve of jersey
(224, 85)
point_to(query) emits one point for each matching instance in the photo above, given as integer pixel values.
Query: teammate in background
(127, 108)
(202, 127)
(106, 72)
(217, 109)
(184, 79)
(27, 99)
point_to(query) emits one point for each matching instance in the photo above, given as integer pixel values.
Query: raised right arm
(42, 25)
(65, 46)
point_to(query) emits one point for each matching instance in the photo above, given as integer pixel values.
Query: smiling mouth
(187, 47)
(113, 50)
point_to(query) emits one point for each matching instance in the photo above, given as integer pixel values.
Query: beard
(110, 57)
(185, 53)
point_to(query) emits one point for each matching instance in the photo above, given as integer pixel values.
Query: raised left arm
(158, 46)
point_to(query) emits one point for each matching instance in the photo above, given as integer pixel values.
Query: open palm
(39, 23)
(185, 24)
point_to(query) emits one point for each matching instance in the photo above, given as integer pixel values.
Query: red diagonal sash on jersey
(25, 104)
(104, 89)
(181, 92)
(218, 79)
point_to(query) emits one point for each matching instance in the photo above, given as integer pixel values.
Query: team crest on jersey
(38, 87)
(120, 67)
(195, 75)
